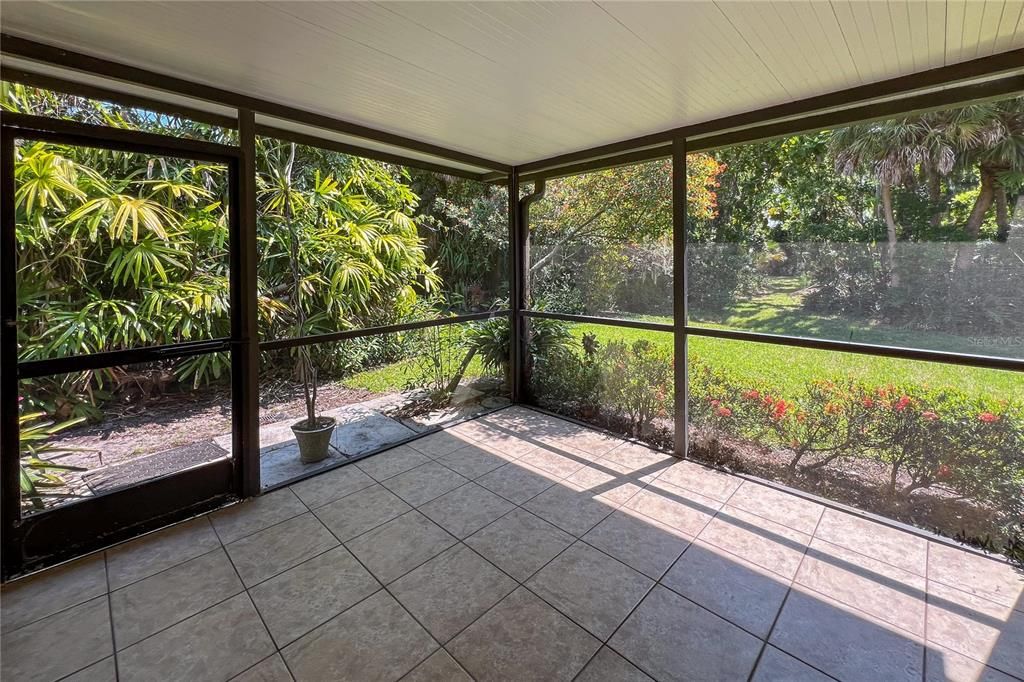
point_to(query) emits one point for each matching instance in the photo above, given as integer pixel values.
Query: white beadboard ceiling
(520, 81)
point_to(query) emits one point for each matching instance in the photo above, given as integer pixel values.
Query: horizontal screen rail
(946, 357)
(987, 90)
(45, 82)
(608, 321)
(61, 131)
(982, 67)
(356, 150)
(331, 337)
(118, 358)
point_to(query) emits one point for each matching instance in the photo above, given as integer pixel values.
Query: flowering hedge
(970, 445)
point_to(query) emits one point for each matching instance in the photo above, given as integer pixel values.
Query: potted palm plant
(313, 433)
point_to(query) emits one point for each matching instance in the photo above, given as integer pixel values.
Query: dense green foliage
(119, 250)
(906, 222)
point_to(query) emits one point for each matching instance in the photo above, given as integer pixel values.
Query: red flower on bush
(833, 408)
(902, 403)
(723, 412)
(988, 417)
(715, 402)
(751, 395)
(943, 471)
(867, 402)
(929, 415)
(779, 409)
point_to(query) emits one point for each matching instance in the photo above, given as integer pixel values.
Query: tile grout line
(180, 561)
(607, 642)
(384, 588)
(579, 539)
(862, 554)
(515, 580)
(519, 584)
(927, 594)
(179, 622)
(461, 543)
(277, 652)
(368, 530)
(165, 570)
(110, 611)
(239, 505)
(111, 614)
(245, 590)
(782, 606)
(60, 611)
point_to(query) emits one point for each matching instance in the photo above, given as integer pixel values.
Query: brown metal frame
(47, 82)
(35, 51)
(199, 115)
(841, 99)
(246, 441)
(519, 342)
(678, 150)
(940, 99)
(333, 337)
(76, 527)
(877, 100)
(355, 150)
(680, 375)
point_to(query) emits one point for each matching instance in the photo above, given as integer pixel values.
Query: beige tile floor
(519, 546)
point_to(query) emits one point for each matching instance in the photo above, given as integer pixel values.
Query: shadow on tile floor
(520, 546)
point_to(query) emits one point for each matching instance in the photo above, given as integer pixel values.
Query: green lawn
(398, 375)
(791, 368)
(787, 368)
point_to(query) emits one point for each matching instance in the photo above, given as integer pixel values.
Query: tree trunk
(1002, 214)
(935, 196)
(890, 234)
(454, 383)
(972, 230)
(986, 195)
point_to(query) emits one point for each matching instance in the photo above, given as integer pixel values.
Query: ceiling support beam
(905, 106)
(972, 70)
(48, 54)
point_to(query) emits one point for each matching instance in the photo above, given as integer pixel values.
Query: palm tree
(995, 144)
(894, 150)
(989, 135)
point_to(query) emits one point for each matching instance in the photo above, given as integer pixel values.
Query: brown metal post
(10, 489)
(682, 418)
(247, 435)
(516, 288)
(522, 346)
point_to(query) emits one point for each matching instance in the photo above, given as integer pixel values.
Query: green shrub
(924, 438)
(637, 381)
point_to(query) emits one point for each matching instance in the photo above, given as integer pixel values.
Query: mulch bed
(855, 483)
(160, 422)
